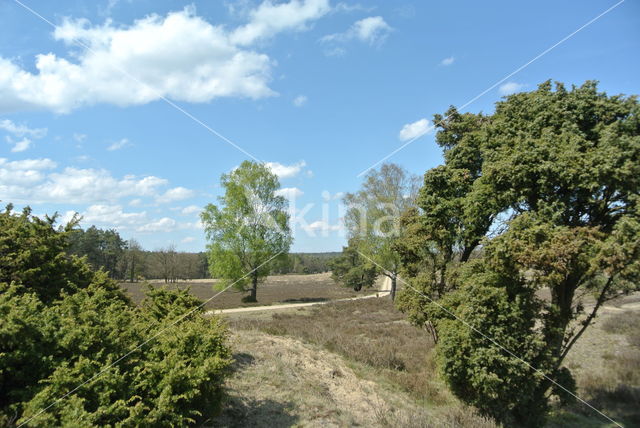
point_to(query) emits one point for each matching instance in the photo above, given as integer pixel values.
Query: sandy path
(384, 291)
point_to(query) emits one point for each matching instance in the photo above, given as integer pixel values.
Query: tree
(167, 261)
(373, 216)
(353, 270)
(70, 341)
(135, 259)
(104, 249)
(250, 228)
(545, 193)
(33, 252)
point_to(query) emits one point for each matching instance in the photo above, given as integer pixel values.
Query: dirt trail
(384, 290)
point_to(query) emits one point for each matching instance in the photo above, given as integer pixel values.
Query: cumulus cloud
(29, 181)
(79, 137)
(290, 192)
(117, 145)
(197, 225)
(286, 171)
(23, 133)
(175, 194)
(510, 88)
(179, 56)
(187, 239)
(372, 30)
(300, 100)
(113, 216)
(164, 224)
(447, 61)
(20, 174)
(22, 130)
(191, 209)
(269, 19)
(321, 226)
(415, 130)
(19, 145)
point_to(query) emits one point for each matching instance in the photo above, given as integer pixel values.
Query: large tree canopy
(541, 195)
(250, 230)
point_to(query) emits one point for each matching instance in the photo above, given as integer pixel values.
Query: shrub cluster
(70, 351)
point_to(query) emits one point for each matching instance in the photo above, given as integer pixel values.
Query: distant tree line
(306, 263)
(126, 260)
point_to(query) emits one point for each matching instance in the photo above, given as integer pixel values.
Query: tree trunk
(133, 268)
(254, 288)
(393, 287)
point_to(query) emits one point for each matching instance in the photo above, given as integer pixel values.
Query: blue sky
(319, 89)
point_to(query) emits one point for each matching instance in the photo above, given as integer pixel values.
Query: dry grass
(276, 289)
(380, 346)
(369, 332)
(606, 365)
(280, 381)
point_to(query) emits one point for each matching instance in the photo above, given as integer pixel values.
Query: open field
(276, 289)
(394, 358)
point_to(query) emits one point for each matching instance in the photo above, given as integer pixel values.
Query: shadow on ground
(240, 411)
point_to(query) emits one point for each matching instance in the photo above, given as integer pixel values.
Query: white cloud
(321, 225)
(197, 225)
(290, 192)
(300, 100)
(327, 196)
(21, 165)
(336, 51)
(112, 216)
(164, 224)
(79, 137)
(447, 61)
(175, 194)
(269, 19)
(180, 56)
(191, 209)
(187, 239)
(510, 88)
(372, 30)
(22, 130)
(19, 145)
(19, 174)
(345, 7)
(286, 171)
(415, 130)
(117, 145)
(72, 185)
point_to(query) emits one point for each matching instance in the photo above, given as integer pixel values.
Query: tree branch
(587, 322)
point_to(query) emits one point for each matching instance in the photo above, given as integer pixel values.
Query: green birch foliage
(248, 228)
